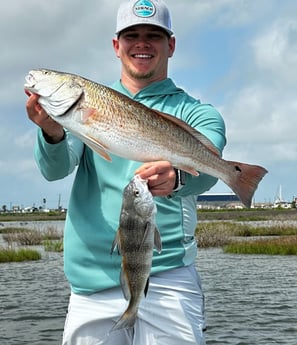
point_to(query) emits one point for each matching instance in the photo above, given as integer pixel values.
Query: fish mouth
(30, 81)
(141, 180)
(31, 84)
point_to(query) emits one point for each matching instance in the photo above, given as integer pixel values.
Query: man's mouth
(142, 56)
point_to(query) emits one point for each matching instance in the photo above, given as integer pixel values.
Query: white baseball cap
(152, 12)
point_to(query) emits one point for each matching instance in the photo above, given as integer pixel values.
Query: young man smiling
(173, 310)
(144, 51)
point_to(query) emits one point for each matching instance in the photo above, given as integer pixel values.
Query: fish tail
(246, 181)
(127, 320)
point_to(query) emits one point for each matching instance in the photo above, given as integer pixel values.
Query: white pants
(172, 313)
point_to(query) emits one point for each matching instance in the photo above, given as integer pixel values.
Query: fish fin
(198, 135)
(188, 170)
(146, 232)
(157, 240)
(116, 244)
(195, 133)
(146, 286)
(125, 285)
(96, 146)
(87, 114)
(246, 181)
(127, 320)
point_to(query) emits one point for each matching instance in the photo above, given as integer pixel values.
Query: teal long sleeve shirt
(96, 197)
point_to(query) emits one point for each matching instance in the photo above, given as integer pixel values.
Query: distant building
(218, 200)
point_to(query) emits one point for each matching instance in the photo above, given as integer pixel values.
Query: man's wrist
(180, 180)
(55, 139)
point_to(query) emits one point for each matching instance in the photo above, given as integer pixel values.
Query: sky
(238, 55)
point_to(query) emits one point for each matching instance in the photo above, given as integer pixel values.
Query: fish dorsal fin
(196, 134)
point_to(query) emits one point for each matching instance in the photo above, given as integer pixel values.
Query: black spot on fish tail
(237, 168)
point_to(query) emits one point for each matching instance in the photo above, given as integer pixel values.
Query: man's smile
(142, 56)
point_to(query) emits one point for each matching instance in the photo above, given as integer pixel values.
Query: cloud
(239, 55)
(276, 51)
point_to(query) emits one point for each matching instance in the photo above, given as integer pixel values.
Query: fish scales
(135, 239)
(108, 121)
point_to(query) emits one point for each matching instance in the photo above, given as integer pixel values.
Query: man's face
(144, 51)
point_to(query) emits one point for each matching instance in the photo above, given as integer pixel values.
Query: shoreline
(224, 214)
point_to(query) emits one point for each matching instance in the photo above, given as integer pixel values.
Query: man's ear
(115, 44)
(171, 44)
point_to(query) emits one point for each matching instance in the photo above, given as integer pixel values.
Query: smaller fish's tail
(246, 181)
(127, 320)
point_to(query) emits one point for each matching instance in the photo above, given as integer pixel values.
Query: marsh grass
(17, 255)
(226, 234)
(214, 234)
(279, 229)
(29, 237)
(49, 238)
(53, 245)
(286, 245)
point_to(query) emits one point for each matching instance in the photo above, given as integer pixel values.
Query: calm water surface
(249, 299)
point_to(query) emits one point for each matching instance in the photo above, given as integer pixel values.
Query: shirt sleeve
(56, 161)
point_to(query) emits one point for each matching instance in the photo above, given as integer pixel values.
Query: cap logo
(144, 9)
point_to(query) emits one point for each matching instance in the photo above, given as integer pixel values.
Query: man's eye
(155, 36)
(130, 36)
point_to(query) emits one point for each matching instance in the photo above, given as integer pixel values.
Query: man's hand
(160, 175)
(52, 130)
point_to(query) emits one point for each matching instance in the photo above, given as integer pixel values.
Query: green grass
(223, 234)
(53, 245)
(18, 255)
(279, 246)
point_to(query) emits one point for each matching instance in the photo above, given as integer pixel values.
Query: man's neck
(135, 85)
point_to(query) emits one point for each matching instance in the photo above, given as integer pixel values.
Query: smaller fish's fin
(127, 320)
(157, 240)
(125, 285)
(146, 232)
(146, 286)
(116, 244)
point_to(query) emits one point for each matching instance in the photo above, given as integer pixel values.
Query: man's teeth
(142, 56)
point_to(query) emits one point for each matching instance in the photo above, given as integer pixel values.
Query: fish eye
(136, 192)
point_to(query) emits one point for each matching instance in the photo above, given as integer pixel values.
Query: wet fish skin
(108, 121)
(135, 239)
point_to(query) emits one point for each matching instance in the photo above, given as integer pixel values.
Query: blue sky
(239, 55)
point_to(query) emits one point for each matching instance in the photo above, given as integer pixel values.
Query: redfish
(108, 121)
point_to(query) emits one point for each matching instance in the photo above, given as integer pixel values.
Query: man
(173, 310)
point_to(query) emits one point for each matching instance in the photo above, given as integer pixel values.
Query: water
(33, 297)
(249, 299)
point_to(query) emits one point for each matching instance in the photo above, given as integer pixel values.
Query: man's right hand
(53, 132)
